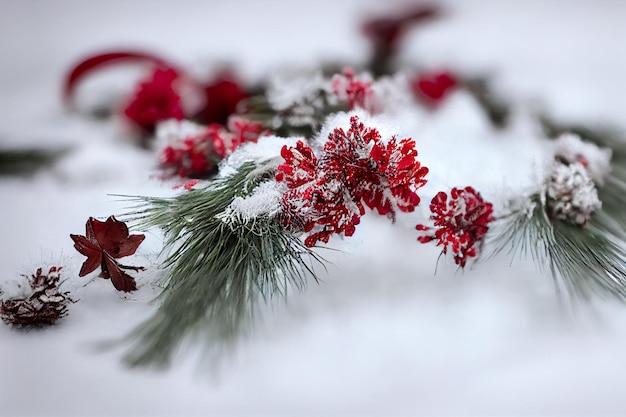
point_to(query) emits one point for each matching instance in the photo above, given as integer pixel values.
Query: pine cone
(45, 305)
(571, 194)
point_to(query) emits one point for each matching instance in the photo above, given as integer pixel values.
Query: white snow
(265, 150)
(176, 130)
(286, 89)
(381, 334)
(597, 160)
(265, 201)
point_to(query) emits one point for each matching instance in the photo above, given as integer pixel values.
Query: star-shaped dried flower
(104, 242)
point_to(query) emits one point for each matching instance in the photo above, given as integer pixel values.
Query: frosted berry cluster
(460, 223)
(193, 152)
(328, 195)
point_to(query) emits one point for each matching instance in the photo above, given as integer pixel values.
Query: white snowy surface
(381, 334)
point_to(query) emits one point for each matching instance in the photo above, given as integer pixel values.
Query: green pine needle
(583, 261)
(301, 119)
(613, 197)
(218, 271)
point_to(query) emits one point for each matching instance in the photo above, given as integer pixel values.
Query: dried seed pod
(44, 304)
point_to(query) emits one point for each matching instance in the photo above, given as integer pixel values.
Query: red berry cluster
(356, 167)
(357, 91)
(460, 222)
(196, 156)
(157, 98)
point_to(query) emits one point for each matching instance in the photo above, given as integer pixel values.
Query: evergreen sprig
(300, 119)
(218, 270)
(583, 261)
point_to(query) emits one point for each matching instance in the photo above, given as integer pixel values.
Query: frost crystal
(571, 194)
(570, 148)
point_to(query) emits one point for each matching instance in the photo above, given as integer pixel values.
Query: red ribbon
(98, 61)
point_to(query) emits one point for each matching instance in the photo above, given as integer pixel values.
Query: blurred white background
(381, 335)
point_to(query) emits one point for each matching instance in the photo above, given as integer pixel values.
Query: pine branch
(613, 197)
(218, 270)
(495, 108)
(301, 119)
(613, 192)
(583, 261)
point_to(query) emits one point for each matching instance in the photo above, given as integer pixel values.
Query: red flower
(155, 99)
(222, 96)
(433, 87)
(461, 222)
(386, 33)
(355, 168)
(104, 242)
(97, 62)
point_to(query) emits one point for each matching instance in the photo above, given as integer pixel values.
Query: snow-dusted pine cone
(43, 303)
(571, 194)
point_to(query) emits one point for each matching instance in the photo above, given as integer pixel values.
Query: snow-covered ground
(381, 335)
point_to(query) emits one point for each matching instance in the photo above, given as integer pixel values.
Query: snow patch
(597, 160)
(264, 202)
